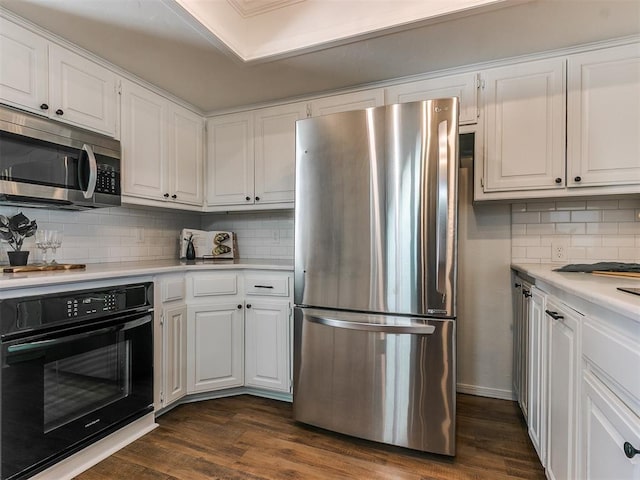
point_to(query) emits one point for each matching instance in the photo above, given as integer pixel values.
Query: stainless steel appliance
(375, 273)
(44, 163)
(76, 366)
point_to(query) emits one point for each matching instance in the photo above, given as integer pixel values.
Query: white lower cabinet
(174, 320)
(563, 325)
(266, 344)
(537, 373)
(215, 346)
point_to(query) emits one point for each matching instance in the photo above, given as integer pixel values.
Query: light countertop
(596, 289)
(102, 271)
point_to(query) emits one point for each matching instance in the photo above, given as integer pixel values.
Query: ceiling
(159, 42)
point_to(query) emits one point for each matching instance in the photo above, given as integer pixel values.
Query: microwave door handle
(93, 172)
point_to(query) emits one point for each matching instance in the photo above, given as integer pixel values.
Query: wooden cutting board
(44, 268)
(618, 274)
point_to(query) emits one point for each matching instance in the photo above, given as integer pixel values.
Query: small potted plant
(14, 230)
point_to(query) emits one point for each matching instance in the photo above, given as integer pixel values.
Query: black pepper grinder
(191, 250)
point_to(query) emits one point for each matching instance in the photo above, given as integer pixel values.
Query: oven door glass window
(80, 384)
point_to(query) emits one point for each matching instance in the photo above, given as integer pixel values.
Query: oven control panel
(92, 304)
(33, 313)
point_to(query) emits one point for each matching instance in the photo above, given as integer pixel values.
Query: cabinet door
(230, 159)
(23, 68)
(523, 399)
(517, 333)
(524, 107)
(215, 347)
(81, 92)
(462, 86)
(143, 142)
(185, 157)
(347, 101)
(537, 351)
(175, 357)
(603, 117)
(267, 344)
(275, 152)
(563, 389)
(607, 425)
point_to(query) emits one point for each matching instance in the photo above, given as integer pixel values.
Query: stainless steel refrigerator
(375, 273)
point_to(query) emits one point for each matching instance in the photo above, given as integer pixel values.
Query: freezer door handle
(412, 326)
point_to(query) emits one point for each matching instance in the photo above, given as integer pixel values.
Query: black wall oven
(76, 366)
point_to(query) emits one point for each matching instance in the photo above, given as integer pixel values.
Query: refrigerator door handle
(413, 328)
(442, 207)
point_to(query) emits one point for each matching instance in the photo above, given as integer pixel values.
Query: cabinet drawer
(172, 289)
(267, 285)
(615, 355)
(209, 285)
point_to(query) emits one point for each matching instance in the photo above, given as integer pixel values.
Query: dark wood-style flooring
(254, 438)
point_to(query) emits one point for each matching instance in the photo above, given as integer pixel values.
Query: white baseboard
(77, 463)
(485, 391)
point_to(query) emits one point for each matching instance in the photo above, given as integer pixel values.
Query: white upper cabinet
(252, 156)
(81, 92)
(347, 102)
(275, 152)
(42, 77)
(524, 109)
(230, 159)
(162, 149)
(23, 68)
(603, 117)
(465, 87)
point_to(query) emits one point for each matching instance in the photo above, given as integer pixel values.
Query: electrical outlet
(275, 236)
(139, 234)
(558, 252)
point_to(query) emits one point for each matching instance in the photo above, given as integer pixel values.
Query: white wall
(107, 234)
(591, 230)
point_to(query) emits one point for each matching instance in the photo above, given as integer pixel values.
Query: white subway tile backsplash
(586, 215)
(593, 230)
(618, 215)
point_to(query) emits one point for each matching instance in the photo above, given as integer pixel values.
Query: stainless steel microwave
(44, 163)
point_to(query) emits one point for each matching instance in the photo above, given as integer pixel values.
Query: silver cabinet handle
(93, 171)
(414, 327)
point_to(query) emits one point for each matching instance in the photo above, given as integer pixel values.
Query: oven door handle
(40, 344)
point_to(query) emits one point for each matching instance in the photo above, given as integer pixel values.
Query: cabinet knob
(257, 199)
(239, 306)
(44, 106)
(247, 198)
(248, 305)
(558, 180)
(629, 450)
(526, 293)
(166, 195)
(577, 179)
(59, 112)
(174, 196)
(517, 285)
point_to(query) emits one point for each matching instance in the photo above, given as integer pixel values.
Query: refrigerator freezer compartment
(395, 386)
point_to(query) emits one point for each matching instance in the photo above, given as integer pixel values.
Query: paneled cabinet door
(347, 102)
(230, 159)
(607, 425)
(275, 152)
(563, 358)
(215, 341)
(185, 156)
(462, 86)
(523, 398)
(23, 68)
(524, 108)
(267, 344)
(81, 92)
(143, 142)
(175, 358)
(603, 117)
(537, 402)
